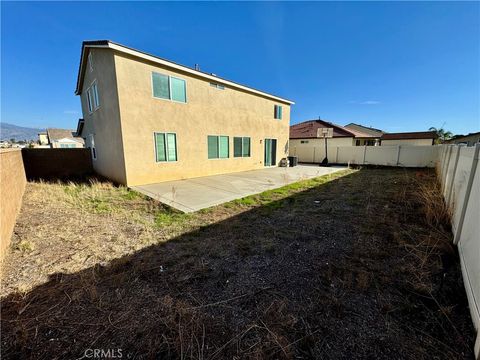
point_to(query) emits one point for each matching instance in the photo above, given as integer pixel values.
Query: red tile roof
(410, 135)
(308, 130)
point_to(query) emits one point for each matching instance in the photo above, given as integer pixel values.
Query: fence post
(473, 169)
(313, 159)
(445, 167)
(336, 154)
(450, 189)
(398, 154)
(364, 153)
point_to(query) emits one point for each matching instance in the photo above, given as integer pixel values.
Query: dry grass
(351, 268)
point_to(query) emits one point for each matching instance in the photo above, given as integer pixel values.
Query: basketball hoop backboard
(325, 132)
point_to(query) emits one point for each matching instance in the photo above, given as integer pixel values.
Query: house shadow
(318, 274)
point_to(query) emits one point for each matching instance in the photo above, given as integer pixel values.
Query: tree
(442, 134)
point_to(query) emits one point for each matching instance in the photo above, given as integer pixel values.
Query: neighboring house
(310, 133)
(63, 138)
(409, 138)
(148, 120)
(43, 138)
(469, 140)
(372, 137)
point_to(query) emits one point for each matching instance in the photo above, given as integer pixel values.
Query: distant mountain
(10, 131)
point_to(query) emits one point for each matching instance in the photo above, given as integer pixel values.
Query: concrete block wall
(12, 187)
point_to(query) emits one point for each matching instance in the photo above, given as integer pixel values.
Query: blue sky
(395, 66)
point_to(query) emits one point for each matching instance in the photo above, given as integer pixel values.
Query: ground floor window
(92, 147)
(218, 147)
(241, 147)
(66, 146)
(165, 147)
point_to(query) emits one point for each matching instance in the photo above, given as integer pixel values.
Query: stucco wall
(407, 142)
(208, 111)
(12, 186)
(104, 123)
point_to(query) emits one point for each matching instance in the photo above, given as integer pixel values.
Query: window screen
(237, 147)
(160, 147)
(96, 101)
(171, 147)
(178, 90)
(213, 147)
(161, 86)
(246, 147)
(89, 101)
(223, 147)
(277, 112)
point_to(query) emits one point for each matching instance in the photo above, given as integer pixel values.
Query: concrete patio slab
(194, 194)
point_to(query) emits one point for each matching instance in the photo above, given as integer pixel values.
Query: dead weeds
(359, 267)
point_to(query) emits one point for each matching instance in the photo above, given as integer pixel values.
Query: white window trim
(218, 147)
(166, 146)
(241, 157)
(169, 88)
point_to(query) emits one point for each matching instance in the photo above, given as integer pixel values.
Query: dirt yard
(354, 265)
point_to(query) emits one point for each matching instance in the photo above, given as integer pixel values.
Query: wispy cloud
(70, 112)
(366, 102)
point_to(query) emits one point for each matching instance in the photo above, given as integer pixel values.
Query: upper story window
(169, 87)
(217, 86)
(93, 100)
(277, 112)
(90, 61)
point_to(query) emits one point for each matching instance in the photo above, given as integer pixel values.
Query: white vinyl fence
(460, 178)
(395, 155)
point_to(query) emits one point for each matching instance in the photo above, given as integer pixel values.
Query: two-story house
(147, 120)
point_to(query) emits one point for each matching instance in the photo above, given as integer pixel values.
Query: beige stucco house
(469, 139)
(365, 135)
(149, 120)
(61, 139)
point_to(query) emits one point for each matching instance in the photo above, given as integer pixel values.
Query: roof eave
(126, 50)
